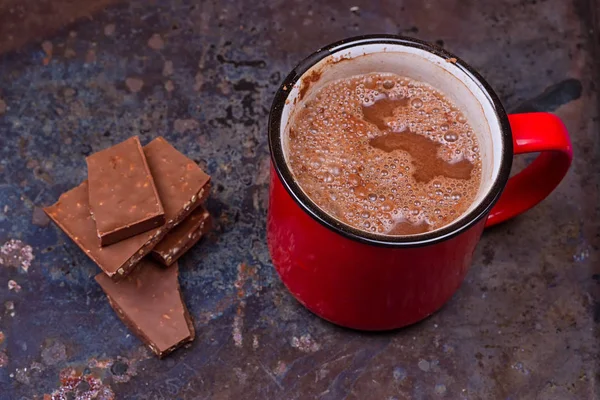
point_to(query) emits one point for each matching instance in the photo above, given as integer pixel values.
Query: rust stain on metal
(39, 217)
(48, 48)
(3, 355)
(305, 343)
(281, 368)
(238, 325)
(102, 364)
(245, 273)
(184, 125)
(54, 353)
(218, 310)
(14, 253)
(123, 369)
(76, 385)
(134, 84)
(13, 285)
(109, 29)
(156, 42)
(90, 56)
(167, 68)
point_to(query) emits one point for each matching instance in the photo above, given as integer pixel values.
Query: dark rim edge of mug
(285, 174)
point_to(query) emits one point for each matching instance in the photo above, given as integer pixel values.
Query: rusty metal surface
(524, 324)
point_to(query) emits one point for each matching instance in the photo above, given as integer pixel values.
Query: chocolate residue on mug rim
(307, 81)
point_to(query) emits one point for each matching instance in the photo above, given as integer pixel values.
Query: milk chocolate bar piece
(123, 198)
(181, 185)
(150, 304)
(181, 238)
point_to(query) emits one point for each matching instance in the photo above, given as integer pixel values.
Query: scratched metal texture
(524, 325)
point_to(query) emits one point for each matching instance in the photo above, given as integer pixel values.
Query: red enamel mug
(371, 281)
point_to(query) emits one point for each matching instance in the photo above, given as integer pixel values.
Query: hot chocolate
(384, 153)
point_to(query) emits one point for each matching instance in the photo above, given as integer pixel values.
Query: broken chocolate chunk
(150, 303)
(181, 185)
(181, 238)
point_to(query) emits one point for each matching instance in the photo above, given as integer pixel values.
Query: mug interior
(441, 70)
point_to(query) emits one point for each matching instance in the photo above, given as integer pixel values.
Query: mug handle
(534, 132)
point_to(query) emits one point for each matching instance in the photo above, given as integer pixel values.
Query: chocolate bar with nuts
(181, 186)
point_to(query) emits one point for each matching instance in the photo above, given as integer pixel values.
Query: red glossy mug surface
(367, 282)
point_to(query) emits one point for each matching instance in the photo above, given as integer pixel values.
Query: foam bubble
(388, 84)
(450, 137)
(387, 206)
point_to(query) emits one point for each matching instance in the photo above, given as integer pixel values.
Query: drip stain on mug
(386, 154)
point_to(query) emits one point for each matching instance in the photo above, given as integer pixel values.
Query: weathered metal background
(524, 325)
